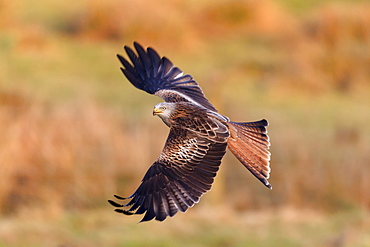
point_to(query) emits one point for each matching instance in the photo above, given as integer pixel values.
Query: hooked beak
(156, 111)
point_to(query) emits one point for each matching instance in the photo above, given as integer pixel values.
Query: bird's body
(197, 141)
(171, 111)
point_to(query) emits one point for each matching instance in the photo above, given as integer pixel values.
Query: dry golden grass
(74, 132)
(65, 150)
(52, 156)
(68, 156)
(59, 157)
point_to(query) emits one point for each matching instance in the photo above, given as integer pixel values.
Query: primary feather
(159, 76)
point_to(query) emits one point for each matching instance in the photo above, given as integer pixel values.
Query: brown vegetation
(69, 155)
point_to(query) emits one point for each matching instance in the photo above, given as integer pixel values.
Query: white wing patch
(162, 94)
(179, 75)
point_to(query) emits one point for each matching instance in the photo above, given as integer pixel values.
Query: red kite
(196, 143)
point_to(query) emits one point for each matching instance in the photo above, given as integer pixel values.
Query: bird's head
(164, 110)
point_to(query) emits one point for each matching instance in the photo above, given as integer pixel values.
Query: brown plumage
(197, 141)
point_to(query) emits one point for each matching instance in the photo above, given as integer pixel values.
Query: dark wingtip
(146, 219)
(115, 204)
(121, 59)
(265, 122)
(120, 197)
(128, 50)
(119, 56)
(138, 46)
(123, 211)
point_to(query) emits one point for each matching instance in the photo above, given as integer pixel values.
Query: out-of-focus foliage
(74, 131)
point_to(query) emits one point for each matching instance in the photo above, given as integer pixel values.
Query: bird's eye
(163, 108)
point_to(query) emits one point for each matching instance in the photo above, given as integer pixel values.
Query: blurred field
(74, 131)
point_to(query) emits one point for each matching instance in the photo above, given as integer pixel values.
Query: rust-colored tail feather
(249, 143)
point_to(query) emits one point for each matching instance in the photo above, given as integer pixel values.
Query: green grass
(216, 228)
(304, 6)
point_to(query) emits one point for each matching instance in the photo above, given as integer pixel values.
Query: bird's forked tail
(249, 143)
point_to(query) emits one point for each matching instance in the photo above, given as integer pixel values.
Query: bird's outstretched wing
(155, 75)
(184, 171)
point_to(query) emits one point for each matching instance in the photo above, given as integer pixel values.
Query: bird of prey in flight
(196, 143)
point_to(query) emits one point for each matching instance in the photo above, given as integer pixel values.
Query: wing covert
(183, 172)
(155, 75)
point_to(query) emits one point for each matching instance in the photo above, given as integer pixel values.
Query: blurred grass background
(74, 131)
